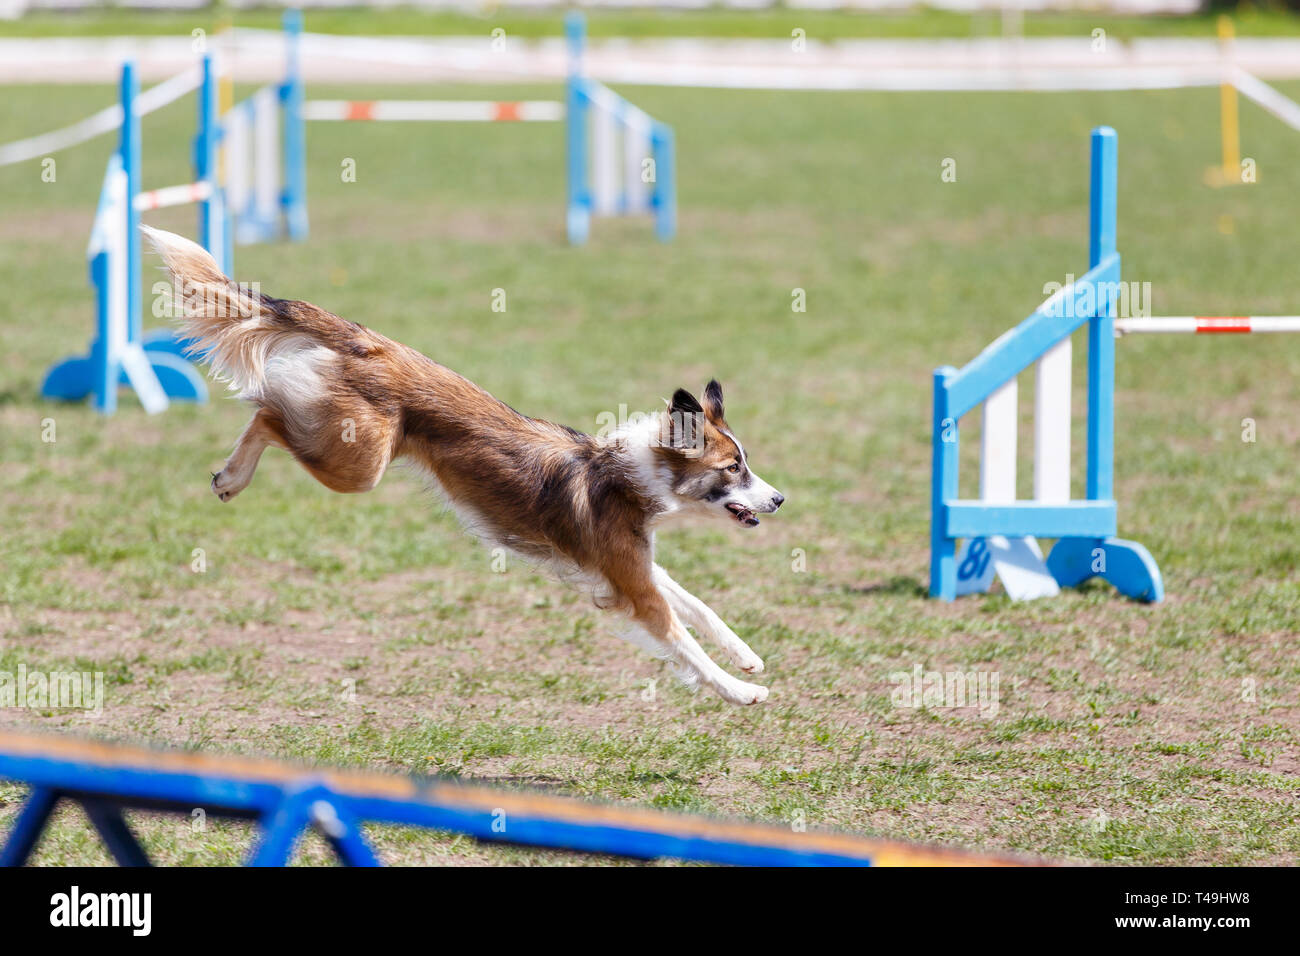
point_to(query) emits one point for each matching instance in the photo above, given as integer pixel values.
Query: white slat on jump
(998, 450)
(266, 156)
(1017, 562)
(604, 178)
(236, 160)
(1052, 424)
(112, 239)
(636, 148)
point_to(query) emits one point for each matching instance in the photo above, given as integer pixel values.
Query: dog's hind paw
(225, 487)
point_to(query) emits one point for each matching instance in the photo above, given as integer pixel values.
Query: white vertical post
(266, 160)
(604, 173)
(1052, 424)
(998, 445)
(636, 148)
(114, 239)
(235, 136)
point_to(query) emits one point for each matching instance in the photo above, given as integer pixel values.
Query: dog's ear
(683, 428)
(713, 401)
(684, 402)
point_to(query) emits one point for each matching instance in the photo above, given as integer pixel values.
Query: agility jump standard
(155, 365)
(998, 531)
(121, 353)
(612, 126)
(264, 153)
(620, 161)
(285, 800)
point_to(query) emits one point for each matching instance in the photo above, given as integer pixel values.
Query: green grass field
(370, 631)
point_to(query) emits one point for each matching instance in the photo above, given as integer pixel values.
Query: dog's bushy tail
(223, 323)
(235, 328)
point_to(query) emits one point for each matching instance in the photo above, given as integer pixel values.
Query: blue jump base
(1085, 529)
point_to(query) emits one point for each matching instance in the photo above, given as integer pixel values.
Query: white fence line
(97, 124)
(1252, 87)
(258, 57)
(107, 119)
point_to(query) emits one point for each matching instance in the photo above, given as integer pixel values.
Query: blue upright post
(294, 200)
(943, 486)
(1125, 564)
(578, 216)
(664, 150)
(1101, 328)
(211, 212)
(129, 147)
(103, 360)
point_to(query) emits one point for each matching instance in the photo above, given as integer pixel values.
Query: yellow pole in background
(1228, 127)
(226, 86)
(225, 83)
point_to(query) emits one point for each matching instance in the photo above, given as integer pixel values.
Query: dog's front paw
(746, 660)
(738, 692)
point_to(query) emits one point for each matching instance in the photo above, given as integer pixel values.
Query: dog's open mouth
(743, 514)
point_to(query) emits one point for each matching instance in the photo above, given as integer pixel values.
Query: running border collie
(346, 401)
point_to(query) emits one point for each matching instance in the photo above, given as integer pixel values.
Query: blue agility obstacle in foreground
(284, 800)
(599, 125)
(1000, 531)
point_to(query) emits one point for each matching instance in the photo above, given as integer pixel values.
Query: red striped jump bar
(173, 195)
(435, 111)
(1209, 324)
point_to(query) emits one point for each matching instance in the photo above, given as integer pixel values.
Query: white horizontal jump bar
(1210, 324)
(473, 111)
(173, 195)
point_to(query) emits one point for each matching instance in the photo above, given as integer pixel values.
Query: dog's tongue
(743, 514)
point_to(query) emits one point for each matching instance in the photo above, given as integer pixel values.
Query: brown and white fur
(346, 401)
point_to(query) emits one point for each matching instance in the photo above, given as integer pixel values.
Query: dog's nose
(777, 499)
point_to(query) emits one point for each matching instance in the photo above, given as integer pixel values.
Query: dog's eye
(734, 468)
